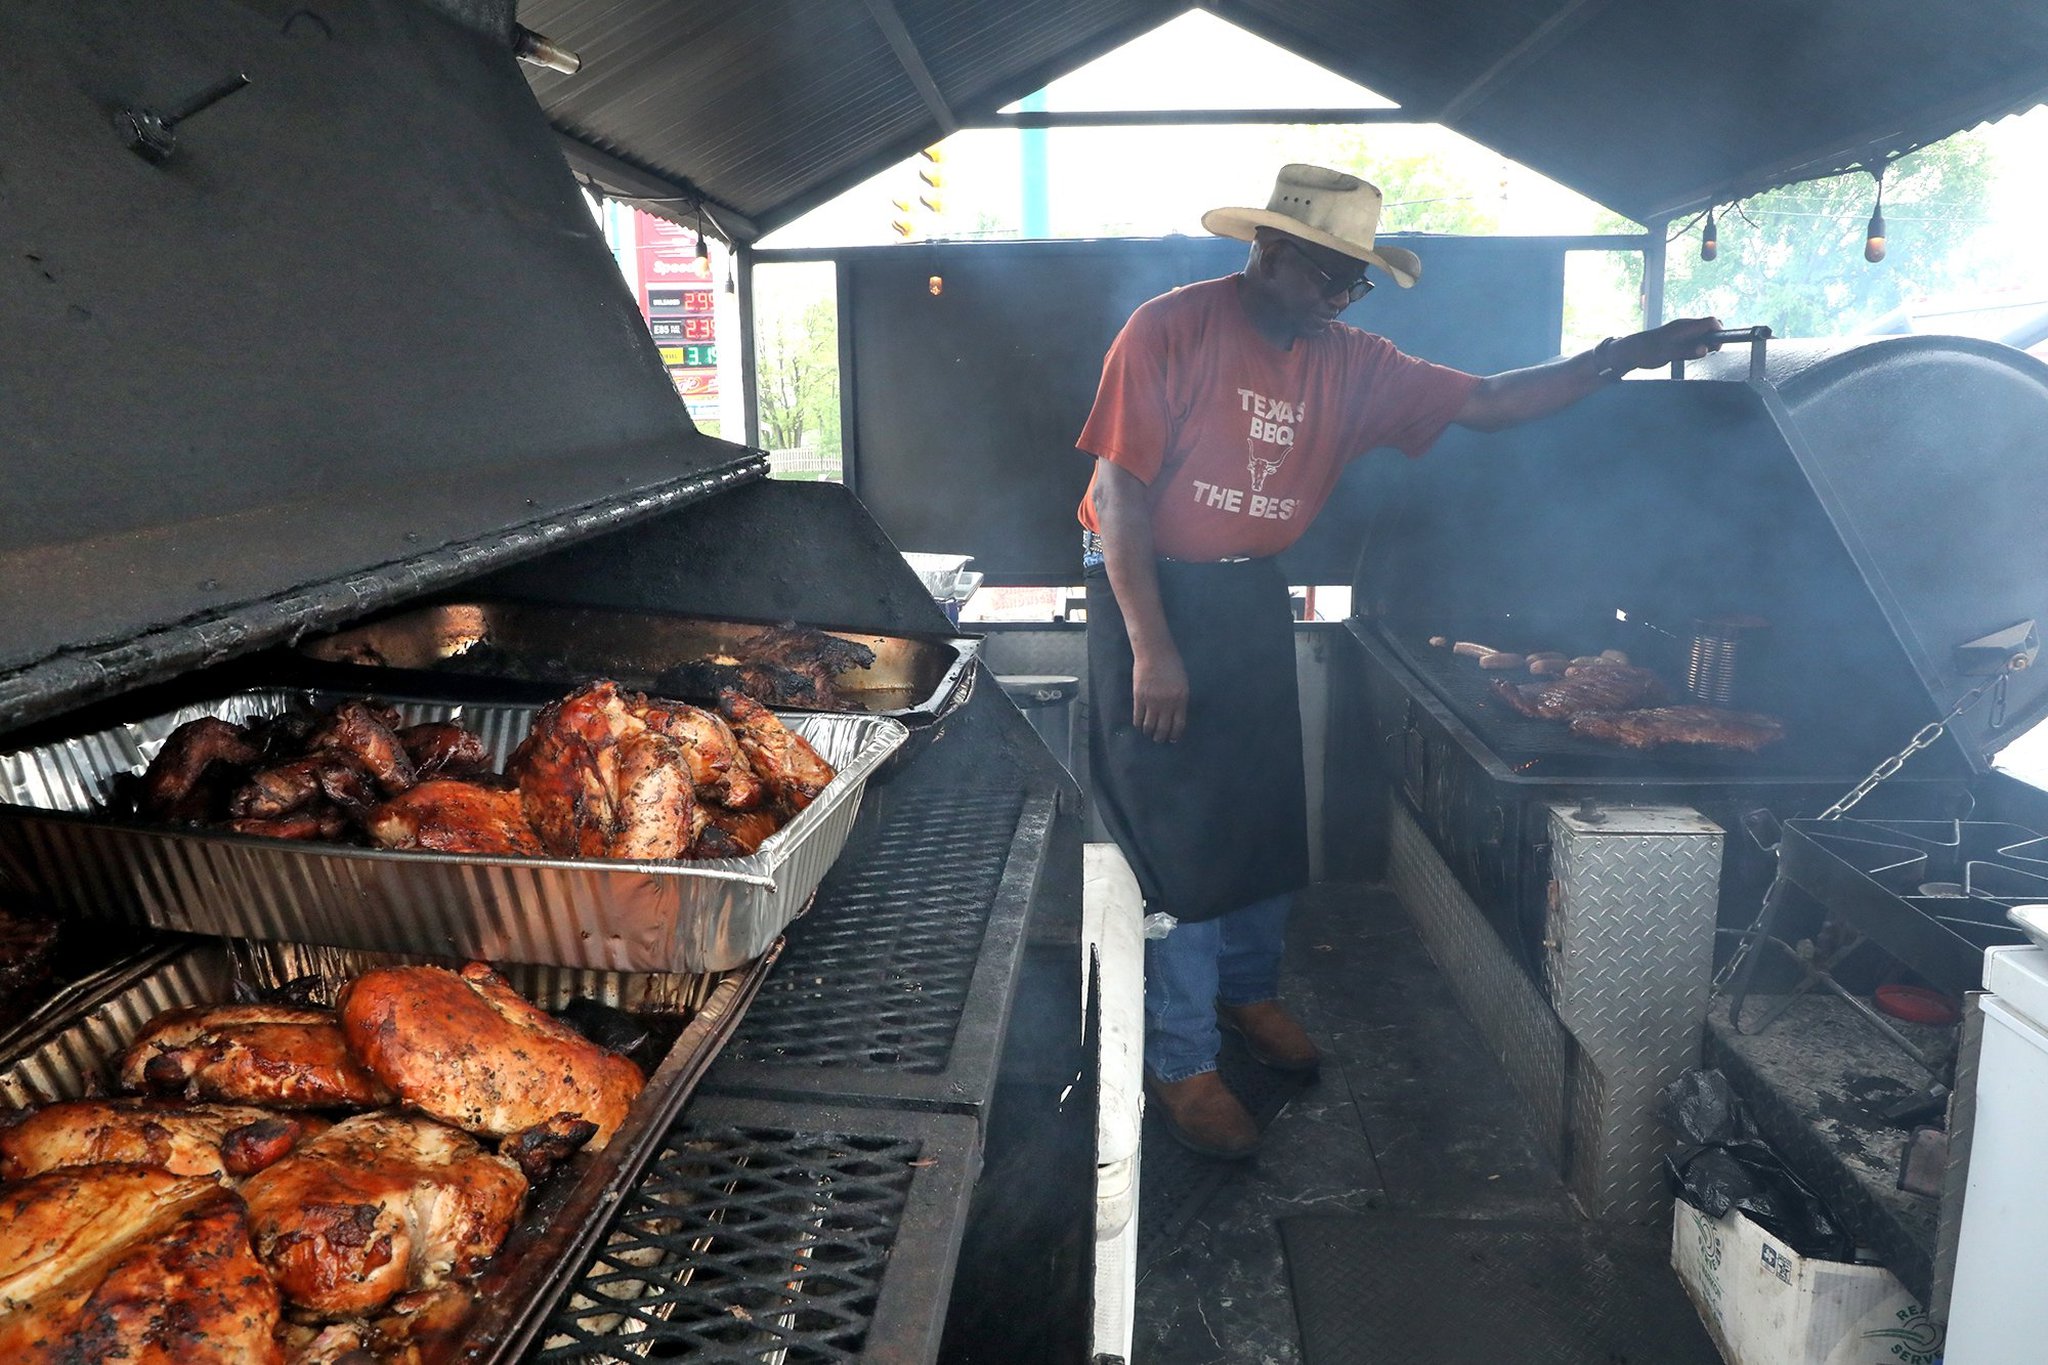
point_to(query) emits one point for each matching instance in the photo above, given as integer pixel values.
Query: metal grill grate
(763, 1231)
(877, 975)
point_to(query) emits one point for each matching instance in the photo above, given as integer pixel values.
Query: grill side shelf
(895, 988)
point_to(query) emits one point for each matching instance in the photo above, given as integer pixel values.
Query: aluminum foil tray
(917, 679)
(699, 916)
(67, 1050)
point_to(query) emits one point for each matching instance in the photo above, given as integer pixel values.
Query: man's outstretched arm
(1502, 400)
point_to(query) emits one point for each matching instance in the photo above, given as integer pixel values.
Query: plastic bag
(1731, 1168)
(1158, 924)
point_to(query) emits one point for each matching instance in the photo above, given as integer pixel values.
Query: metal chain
(1926, 736)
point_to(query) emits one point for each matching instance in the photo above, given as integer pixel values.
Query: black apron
(1220, 819)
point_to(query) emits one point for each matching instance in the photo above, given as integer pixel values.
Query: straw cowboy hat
(1329, 208)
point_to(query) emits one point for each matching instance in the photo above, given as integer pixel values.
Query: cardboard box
(1765, 1304)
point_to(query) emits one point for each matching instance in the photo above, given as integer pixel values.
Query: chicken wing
(447, 815)
(284, 1056)
(791, 767)
(717, 766)
(444, 749)
(172, 785)
(658, 814)
(131, 1263)
(184, 1139)
(377, 1206)
(468, 1049)
(363, 733)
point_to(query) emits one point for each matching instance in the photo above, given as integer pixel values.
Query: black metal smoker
(350, 340)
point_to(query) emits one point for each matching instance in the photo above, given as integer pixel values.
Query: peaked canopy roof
(1651, 107)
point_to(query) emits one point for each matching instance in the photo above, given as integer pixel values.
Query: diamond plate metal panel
(1495, 994)
(1628, 961)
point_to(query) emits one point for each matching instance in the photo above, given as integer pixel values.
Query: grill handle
(1729, 336)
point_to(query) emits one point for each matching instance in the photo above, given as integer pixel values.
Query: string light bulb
(1873, 236)
(703, 247)
(1710, 241)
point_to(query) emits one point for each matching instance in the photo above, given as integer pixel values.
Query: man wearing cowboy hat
(1226, 413)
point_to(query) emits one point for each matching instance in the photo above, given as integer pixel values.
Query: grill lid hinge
(2003, 651)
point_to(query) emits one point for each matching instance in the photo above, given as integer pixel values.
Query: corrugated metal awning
(1651, 107)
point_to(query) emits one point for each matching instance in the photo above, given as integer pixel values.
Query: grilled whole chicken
(377, 1206)
(597, 783)
(791, 767)
(134, 1264)
(468, 1049)
(712, 750)
(1592, 687)
(185, 1139)
(282, 1056)
(448, 815)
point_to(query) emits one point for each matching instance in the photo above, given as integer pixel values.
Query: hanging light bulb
(1873, 236)
(1710, 241)
(703, 247)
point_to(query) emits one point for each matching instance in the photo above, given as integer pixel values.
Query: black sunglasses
(1353, 289)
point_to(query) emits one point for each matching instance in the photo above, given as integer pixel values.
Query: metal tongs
(1755, 336)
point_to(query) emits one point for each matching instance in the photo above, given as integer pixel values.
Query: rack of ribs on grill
(1748, 731)
(1591, 687)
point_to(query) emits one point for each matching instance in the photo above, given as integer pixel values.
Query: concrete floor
(1410, 1113)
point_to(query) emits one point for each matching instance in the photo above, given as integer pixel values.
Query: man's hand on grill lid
(1679, 339)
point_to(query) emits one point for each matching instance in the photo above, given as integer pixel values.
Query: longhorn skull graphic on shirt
(1261, 470)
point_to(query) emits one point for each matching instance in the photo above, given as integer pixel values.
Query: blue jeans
(1233, 959)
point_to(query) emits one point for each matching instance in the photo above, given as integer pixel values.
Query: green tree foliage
(1793, 257)
(797, 359)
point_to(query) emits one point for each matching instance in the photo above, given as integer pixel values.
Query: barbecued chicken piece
(321, 823)
(567, 770)
(441, 748)
(768, 683)
(717, 766)
(413, 1329)
(445, 815)
(283, 1056)
(1709, 726)
(185, 1139)
(468, 1049)
(658, 813)
(363, 732)
(806, 649)
(790, 766)
(597, 783)
(172, 788)
(377, 1206)
(131, 1263)
(1594, 687)
(734, 833)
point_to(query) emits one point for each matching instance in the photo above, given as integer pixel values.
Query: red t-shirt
(1240, 441)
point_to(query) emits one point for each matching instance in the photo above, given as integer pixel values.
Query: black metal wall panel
(360, 316)
(966, 403)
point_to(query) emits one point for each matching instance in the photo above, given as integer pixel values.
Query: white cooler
(1998, 1314)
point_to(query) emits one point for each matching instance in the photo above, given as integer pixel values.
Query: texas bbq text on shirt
(1267, 444)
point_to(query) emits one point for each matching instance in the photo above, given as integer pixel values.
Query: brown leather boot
(1271, 1035)
(1204, 1116)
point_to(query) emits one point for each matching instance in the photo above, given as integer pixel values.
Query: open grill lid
(357, 336)
(1879, 502)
